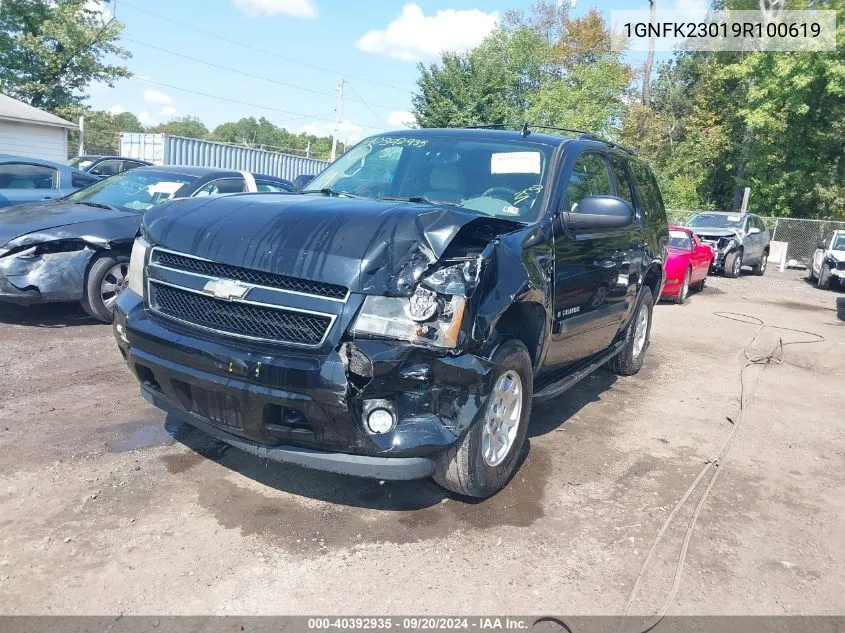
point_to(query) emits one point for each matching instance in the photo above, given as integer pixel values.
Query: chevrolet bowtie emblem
(227, 289)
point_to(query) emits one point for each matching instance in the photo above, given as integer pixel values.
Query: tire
(464, 469)
(683, 293)
(107, 277)
(627, 362)
(760, 269)
(824, 277)
(733, 264)
(699, 285)
(810, 276)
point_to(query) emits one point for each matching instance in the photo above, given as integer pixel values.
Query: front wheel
(733, 264)
(630, 360)
(760, 269)
(824, 277)
(485, 459)
(684, 291)
(107, 277)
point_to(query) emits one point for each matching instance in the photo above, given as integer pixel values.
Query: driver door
(591, 270)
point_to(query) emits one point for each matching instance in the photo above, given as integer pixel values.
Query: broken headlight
(136, 266)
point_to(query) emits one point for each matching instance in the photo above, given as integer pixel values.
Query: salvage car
(24, 179)
(398, 317)
(687, 264)
(77, 248)
(737, 240)
(828, 262)
(105, 166)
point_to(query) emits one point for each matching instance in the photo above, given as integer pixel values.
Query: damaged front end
(42, 268)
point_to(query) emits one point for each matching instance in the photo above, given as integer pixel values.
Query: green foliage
(263, 134)
(188, 126)
(51, 50)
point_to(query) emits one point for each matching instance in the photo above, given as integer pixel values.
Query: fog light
(380, 421)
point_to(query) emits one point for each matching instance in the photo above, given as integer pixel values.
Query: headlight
(136, 266)
(390, 317)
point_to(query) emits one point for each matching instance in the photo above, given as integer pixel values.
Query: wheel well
(525, 321)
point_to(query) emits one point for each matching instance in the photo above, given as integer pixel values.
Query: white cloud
(414, 36)
(348, 132)
(168, 111)
(401, 118)
(157, 96)
(145, 118)
(99, 8)
(115, 110)
(293, 8)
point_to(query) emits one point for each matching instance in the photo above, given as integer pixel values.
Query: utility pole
(81, 136)
(308, 149)
(338, 118)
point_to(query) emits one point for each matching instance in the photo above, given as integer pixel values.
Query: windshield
(839, 242)
(680, 239)
(716, 220)
(82, 162)
(133, 190)
(496, 177)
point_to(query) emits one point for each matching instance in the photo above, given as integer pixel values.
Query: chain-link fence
(801, 236)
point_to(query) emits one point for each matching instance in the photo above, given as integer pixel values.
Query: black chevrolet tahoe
(397, 317)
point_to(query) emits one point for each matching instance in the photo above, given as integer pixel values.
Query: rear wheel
(824, 277)
(760, 269)
(699, 285)
(107, 277)
(684, 291)
(485, 459)
(733, 264)
(630, 360)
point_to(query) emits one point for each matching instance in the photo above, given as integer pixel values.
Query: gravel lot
(106, 507)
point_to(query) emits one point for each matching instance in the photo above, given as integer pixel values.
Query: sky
(221, 60)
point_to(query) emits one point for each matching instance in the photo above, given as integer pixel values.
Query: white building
(28, 131)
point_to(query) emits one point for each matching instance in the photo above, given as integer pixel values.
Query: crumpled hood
(38, 217)
(369, 246)
(716, 232)
(838, 255)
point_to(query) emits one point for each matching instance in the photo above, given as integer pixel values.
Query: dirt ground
(106, 507)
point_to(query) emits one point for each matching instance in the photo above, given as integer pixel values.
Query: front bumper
(54, 277)
(9, 293)
(302, 406)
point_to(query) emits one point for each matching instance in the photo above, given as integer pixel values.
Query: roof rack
(526, 130)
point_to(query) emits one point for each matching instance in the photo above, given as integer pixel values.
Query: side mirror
(600, 212)
(300, 181)
(753, 230)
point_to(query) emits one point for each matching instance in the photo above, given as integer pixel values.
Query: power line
(369, 107)
(256, 49)
(296, 115)
(248, 74)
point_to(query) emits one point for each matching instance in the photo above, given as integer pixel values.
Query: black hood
(364, 244)
(41, 217)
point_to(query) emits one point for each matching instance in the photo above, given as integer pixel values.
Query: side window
(649, 193)
(131, 164)
(224, 185)
(107, 168)
(270, 187)
(589, 177)
(78, 180)
(25, 176)
(623, 181)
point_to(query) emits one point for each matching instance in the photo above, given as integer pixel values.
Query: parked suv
(396, 319)
(737, 240)
(828, 262)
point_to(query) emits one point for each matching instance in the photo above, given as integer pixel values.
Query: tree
(51, 50)
(187, 126)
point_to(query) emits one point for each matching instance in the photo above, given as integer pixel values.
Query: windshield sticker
(511, 210)
(515, 163)
(523, 195)
(681, 234)
(734, 218)
(389, 140)
(165, 187)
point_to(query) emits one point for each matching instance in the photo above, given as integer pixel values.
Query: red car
(687, 264)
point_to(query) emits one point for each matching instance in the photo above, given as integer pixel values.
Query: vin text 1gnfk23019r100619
(396, 318)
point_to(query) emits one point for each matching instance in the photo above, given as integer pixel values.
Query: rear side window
(107, 168)
(224, 185)
(649, 193)
(26, 176)
(623, 181)
(270, 187)
(589, 177)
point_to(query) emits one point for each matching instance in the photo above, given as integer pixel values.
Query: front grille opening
(249, 275)
(286, 423)
(146, 377)
(240, 319)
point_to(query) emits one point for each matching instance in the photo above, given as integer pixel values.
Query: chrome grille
(239, 318)
(175, 261)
